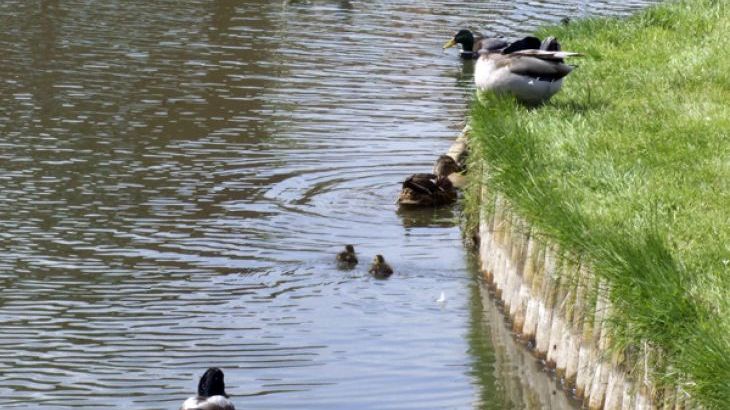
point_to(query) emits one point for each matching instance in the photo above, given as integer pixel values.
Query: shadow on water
(465, 78)
(44, 50)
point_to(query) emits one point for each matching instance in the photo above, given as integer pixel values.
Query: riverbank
(619, 184)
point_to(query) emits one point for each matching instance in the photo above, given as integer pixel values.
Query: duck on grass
(529, 69)
(627, 169)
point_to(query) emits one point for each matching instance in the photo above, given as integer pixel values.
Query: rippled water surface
(176, 177)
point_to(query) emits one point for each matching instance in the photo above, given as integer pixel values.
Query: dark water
(176, 176)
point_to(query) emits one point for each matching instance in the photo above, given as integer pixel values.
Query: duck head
(463, 37)
(212, 384)
(349, 249)
(445, 166)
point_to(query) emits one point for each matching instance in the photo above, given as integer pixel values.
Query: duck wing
(547, 55)
(539, 68)
(422, 183)
(525, 43)
(490, 44)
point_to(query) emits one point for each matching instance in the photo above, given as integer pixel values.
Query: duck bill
(449, 44)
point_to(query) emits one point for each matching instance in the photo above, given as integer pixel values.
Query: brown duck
(427, 190)
(445, 166)
(379, 268)
(347, 258)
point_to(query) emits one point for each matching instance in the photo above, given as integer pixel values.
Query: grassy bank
(629, 166)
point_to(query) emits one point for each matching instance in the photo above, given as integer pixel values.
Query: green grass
(629, 166)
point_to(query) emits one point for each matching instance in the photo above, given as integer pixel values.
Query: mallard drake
(470, 43)
(427, 190)
(347, 258)
(379, 268)
(528, 69)
(211, 393)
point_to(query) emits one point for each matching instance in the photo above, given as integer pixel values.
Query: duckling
(380, 269)
(530, 70)
(211, 393)
(471, 43)
(347, 259)
(445, 166)
(427, 190)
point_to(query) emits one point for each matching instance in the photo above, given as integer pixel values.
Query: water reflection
(177, 177)
(509, 376)
(444, 217)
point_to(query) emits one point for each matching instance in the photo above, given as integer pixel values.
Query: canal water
(177, 176)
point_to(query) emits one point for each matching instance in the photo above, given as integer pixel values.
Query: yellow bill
(450, 43)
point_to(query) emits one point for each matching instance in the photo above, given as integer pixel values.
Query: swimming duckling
(530, 70)
(470, 43)
(347, 259)
(427, 190)
(380, 269)
(211, 393)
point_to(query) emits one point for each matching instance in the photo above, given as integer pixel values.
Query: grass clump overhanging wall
(628, 166)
